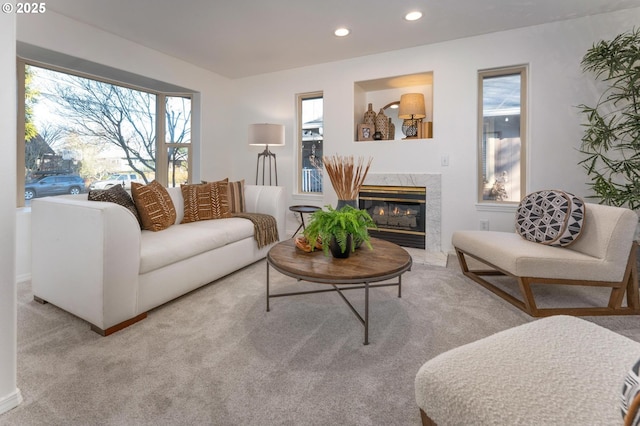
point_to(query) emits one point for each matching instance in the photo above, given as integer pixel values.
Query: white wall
(9, 393)
(556, 86)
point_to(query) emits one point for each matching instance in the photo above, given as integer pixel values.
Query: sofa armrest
(86, 258)
(267, 200)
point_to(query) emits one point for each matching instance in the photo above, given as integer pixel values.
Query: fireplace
(398, 211)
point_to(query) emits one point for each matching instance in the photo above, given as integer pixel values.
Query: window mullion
(162, 170)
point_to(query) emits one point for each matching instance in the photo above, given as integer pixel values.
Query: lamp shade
(412, 106)
(266, 134)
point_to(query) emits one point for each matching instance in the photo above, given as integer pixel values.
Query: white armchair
(603, 256)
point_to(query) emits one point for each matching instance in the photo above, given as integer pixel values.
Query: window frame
(300, 97)
(162, 146)
(523, 72)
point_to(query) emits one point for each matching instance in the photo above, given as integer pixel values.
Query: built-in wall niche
(383, 93)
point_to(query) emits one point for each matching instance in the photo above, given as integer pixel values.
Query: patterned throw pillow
(550, 217)
(630, 398)
(236, 197)
(154, 205)
(116, 194)
(205, 201)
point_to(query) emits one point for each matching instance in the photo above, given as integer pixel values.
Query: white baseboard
(10, 401)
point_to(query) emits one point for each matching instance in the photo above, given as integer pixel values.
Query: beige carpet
(215, 357)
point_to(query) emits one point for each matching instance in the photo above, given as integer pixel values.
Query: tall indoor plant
(611, 141)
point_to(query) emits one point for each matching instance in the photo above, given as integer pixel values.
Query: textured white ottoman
(559, 370)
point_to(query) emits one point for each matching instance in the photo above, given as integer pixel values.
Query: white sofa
(560, 370)
(91, 259)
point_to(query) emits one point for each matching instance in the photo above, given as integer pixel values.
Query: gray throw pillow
(116, 194)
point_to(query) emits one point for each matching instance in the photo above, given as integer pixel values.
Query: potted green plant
(611, 141)
(341, 230)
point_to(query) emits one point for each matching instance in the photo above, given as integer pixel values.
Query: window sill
(497, 207)
(308, 197)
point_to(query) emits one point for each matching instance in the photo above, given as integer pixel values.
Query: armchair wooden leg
(628, 286)
(426, 420)
(527, 296)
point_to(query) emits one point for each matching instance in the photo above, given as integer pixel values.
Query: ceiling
(240, 38)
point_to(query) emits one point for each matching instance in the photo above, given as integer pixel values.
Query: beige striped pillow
(236, 197)
(154, 205)
(205, 201)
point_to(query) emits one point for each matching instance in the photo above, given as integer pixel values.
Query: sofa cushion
(522, 258)
(176, 197)
(118, 195)
(189, 239)
(154, 205)
(205, 201)
(550, 217)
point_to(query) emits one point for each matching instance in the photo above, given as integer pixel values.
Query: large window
(178, 138)
(98, 133)
(310, 123)
(502, 125)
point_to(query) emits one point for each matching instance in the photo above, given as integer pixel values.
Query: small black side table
(301, 210)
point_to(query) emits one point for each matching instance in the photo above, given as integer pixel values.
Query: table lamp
(412, 110)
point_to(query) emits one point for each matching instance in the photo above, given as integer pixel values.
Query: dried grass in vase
(346, 176)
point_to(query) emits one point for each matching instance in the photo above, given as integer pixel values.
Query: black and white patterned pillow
(630, 392)
(550, 217)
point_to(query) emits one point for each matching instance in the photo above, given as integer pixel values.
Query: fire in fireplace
(398, 211)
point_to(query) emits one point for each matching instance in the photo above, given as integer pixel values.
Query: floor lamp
(265, 135)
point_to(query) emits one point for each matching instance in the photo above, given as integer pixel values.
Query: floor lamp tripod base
(266, 155)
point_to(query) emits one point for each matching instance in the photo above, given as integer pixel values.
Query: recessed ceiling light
(341, 32)
(413, 16)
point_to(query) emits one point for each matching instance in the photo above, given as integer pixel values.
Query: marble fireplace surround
(432, 182)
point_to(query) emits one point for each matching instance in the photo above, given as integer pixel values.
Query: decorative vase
(370, 116)
(377, 136)
(342, 203)
(334, 247)
(382, 123)
(391, 130)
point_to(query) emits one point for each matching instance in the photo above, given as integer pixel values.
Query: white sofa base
(162, 285)
(91, 259)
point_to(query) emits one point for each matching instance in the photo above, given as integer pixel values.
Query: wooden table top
(386, 260)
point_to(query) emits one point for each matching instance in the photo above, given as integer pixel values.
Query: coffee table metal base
(365, 285)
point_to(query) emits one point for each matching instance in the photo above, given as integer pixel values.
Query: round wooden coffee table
(359, 271)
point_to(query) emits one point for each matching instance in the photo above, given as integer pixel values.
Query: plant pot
(334, 247)
(342, 203)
